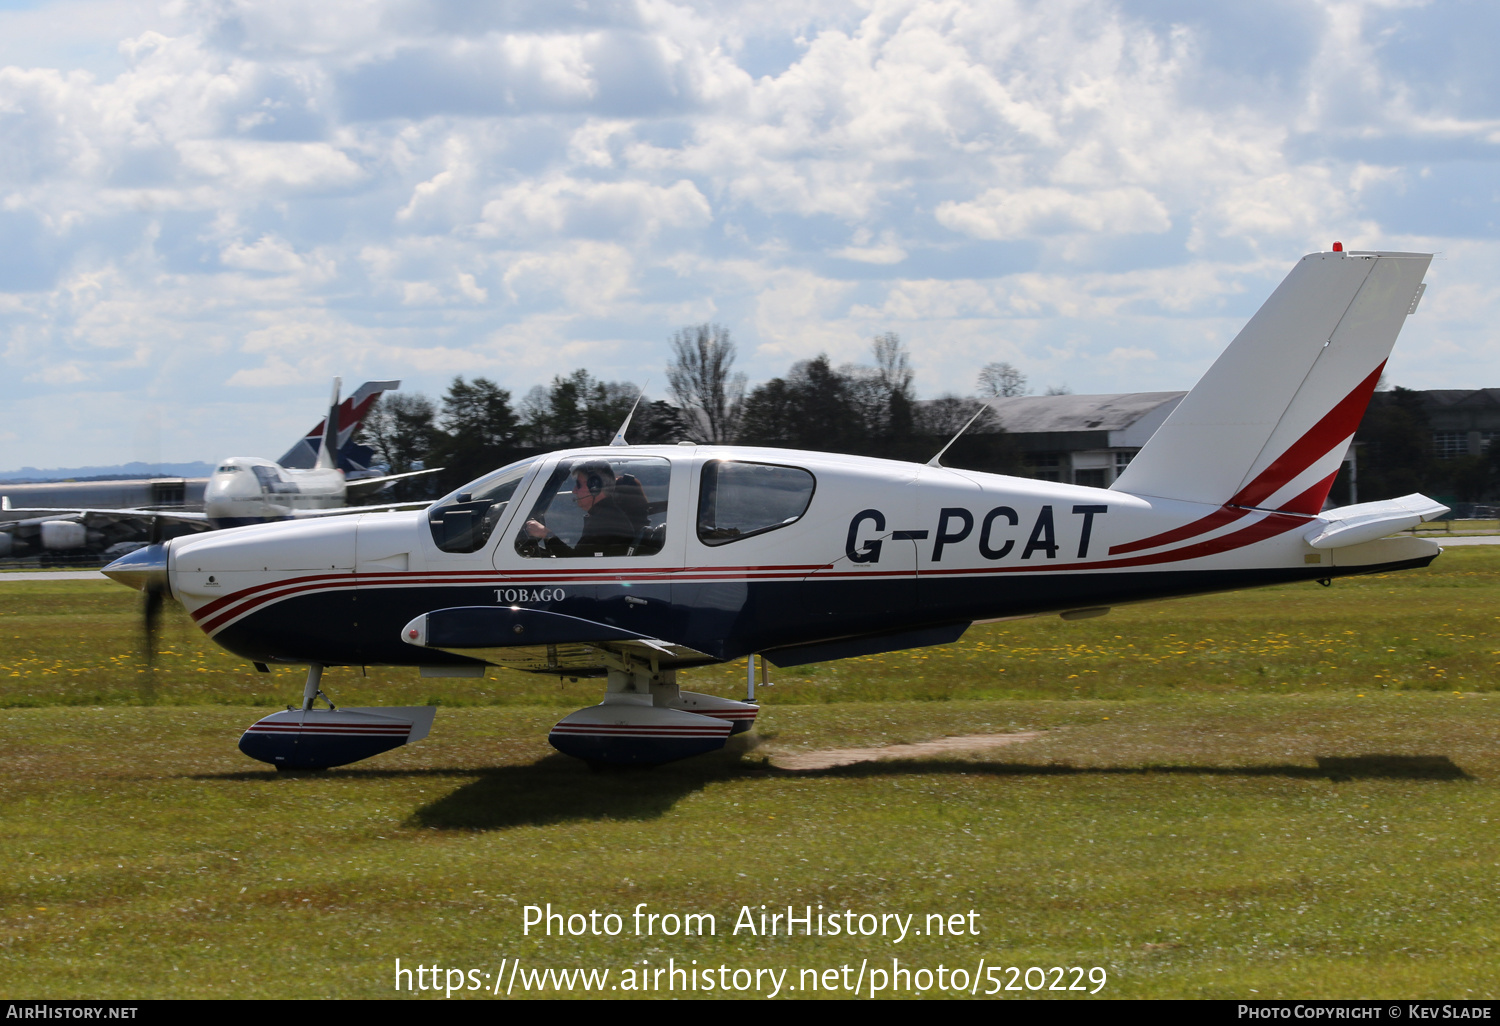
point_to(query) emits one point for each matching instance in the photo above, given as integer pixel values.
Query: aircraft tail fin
(1269, 423)
(328, 449)
(352, 411)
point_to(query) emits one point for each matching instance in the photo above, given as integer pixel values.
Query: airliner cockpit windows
(228, 468)
(738, 499)
(594, 506)
(271, 482)
(464, 520)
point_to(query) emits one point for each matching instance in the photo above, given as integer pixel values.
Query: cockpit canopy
(617, 505)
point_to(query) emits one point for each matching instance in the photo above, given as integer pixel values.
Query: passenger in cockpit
(614, 514)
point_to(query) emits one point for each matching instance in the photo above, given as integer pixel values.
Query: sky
(210, 208)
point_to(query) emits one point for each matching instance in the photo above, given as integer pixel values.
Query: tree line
(863, 409)
(1396, 457)
(868, 409)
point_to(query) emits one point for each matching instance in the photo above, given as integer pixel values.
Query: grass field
(1290, 792)
(74, 643)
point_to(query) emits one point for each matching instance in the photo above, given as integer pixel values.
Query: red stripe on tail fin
(1337, 424)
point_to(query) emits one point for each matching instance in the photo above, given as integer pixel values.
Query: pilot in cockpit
(614, 514)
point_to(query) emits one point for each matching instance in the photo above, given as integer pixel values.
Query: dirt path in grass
(831, 757)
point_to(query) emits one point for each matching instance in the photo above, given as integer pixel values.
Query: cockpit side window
(271, 482)
(464, 520)
(598, 506)
(738, 500)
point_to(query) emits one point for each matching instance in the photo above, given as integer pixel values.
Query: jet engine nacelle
(59, 535)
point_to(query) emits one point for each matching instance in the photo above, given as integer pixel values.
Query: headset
(593, 477)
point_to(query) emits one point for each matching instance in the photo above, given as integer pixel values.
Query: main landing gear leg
(646, 719)
(312, 690)
(750, 678)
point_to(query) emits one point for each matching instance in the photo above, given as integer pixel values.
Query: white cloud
(587, 276)
(865, 250)
(254, 167)
(272, 192)
(562, 207)
(1003, 214)
(268, 253)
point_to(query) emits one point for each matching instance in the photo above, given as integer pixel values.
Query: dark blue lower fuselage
(723, 619)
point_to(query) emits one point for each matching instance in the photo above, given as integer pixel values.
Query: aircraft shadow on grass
(559, 789)
(556, 789)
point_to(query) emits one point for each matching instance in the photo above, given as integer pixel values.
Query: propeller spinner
(145, 570)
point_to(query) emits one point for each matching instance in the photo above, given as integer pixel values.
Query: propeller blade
(146, 570)
(150, 622)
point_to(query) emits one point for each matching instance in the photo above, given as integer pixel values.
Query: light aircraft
(629, 563)
(318, 476)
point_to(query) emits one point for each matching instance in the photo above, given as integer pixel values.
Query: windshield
(463, 521)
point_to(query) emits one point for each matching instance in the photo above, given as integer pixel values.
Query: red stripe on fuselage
(248, 601)
(1272, 525)
(215, 614)
(1215, 520)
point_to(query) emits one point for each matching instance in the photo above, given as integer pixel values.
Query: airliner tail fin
(352, 412)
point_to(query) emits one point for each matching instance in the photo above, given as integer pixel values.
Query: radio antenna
(619, 438)
(977, 414)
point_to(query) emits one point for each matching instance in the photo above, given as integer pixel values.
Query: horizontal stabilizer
(1352, 525)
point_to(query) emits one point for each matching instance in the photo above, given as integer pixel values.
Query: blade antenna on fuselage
(328, 452)
(977, 414)
(619, 438)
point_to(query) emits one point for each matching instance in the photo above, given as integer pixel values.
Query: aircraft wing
(538, 640)
(102, 517)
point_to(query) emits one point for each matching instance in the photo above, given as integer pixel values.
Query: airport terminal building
(1081, 439)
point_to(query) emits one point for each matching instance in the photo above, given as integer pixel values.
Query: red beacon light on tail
(1338, 247)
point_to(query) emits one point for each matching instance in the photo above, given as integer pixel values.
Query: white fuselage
(880, 546)
(247, 488)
